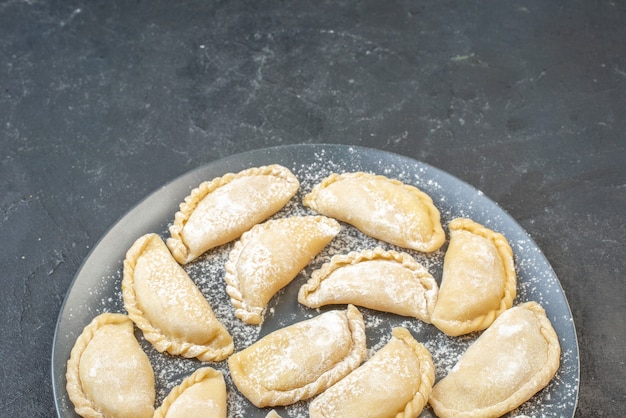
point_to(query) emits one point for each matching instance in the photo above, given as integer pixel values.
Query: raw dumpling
(510, 362)
(301, 360)
(201, 395)
(383, 208)
(478, 281)
(272, 414)
(220, 210)
(108, 374)
(388, 281)
(394, 382)
(269, 256)
(167, 306)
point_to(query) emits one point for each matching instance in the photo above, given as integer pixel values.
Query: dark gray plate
(96, 287)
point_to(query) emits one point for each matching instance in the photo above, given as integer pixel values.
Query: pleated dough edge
(175, 242)
(438, 234)
(355, 257)
(427, 369)
(414, 407)
(160, 341)
(253, 315)
(82, 405)
(456, 328)
(196, 377)
(531, 387)
(264, 398)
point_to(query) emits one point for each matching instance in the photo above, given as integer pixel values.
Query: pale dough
(395, 382)
(511, 361)
(167, 306)
(300, 360)
(220, 210)
(201, 395)
(269, 256)
(380, 207)
(388, 281)
(108, 374)
(478, 281)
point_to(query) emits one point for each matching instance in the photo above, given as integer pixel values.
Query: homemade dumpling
(108, 374)
(380, 207)
(511, 361)
(300, 360)
(388, 281)
(167, 306)
(269, 256)
(220, 210)
(478, 281)
(395, 382)
(201, 395)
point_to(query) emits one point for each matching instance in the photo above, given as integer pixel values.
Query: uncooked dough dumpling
(168, 307)
(220, 210)
(201, 395)
(108, 374)
(301, 360)
(478, 281)
(513, 359)
(395, 382)
(388, 281)
(380, 207)
(269, 256)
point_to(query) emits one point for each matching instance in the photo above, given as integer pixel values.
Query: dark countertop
(103, 103)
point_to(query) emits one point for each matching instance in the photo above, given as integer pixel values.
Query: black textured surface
(102, 103)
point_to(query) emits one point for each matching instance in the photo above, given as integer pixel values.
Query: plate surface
(96, 287)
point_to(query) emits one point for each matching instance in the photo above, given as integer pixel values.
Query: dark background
(102, 103)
